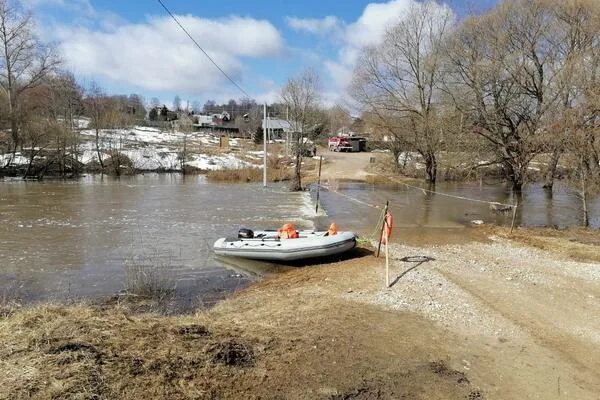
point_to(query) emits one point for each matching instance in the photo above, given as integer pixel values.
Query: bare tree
(154, 102)
(301, 97)
(24, 59)
(65, 105)
(577, 34)
(399, 80)
(250, 122)
(47, 137)
(184, 154)
(196, 107)
(505, 76)
(97, 107)
(107, 113)
(582, 131)
(338, 118)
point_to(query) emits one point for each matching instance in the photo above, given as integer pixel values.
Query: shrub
(150, 276)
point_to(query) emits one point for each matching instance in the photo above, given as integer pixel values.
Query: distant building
(162, 114)
(203, 121)
(218, 122)
(277, 127)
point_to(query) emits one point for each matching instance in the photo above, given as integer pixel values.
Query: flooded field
(424, 216)
(71, 240)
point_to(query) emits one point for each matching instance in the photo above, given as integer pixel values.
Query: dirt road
(346, 166)
(529, 319)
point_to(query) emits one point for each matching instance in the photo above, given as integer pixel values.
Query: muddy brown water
(70, 240)
(423, 217)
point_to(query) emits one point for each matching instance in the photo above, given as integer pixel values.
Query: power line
(201, 49)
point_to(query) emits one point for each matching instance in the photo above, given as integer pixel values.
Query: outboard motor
(245, 233)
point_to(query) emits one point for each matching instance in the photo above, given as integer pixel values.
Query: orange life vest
(332, 229)
(287, 231)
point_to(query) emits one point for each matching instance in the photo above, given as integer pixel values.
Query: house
(203, 121)
(221, 122)
(278, 128)
(162, 114)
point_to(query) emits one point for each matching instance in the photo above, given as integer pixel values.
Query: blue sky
(134, 47)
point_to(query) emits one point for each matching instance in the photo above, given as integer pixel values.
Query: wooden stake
(318, 184)
(512, 224)
(387, 262)
(385, 210)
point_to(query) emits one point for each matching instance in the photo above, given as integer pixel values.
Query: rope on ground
(451, 195)
(380, 218)
(354, 199)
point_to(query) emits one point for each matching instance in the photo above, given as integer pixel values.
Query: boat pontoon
(267, 245)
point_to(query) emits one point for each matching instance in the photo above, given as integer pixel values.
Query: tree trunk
(12, 98)
(551, 172)
(586, 218)
(297, 180)
(431, 167)
(12, 115)
(514, 174)
(594, 164)
(29, 165)
(396, 154)
(98, 149)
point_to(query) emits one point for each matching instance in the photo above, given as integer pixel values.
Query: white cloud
(370, 27)
(158, 56)
(269, 97)
(368, 30)
(79, 6)
(320, 26)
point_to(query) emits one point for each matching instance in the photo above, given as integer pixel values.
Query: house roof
(204, 119)
(278, 124)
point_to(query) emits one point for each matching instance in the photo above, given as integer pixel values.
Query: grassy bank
(291, 336)
(247, 175)
(481, 320)
(278, 170)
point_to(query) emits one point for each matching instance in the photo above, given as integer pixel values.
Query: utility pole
(287, 134)
(265, 146)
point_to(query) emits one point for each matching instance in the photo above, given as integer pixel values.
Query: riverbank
(492, 318)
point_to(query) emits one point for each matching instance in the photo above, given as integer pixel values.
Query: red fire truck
(347, 143)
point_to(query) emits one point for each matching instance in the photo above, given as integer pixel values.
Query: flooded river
(70, 240)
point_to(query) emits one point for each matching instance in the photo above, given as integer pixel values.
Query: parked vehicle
(347, 143)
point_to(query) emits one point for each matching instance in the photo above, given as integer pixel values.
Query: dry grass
(277, 171)
(292, 336)
(235, 175)
(86, 353)
(150, 276)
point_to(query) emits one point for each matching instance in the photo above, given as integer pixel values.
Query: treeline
(518, 82)
(42, 105)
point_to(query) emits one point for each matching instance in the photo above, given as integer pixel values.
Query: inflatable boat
(267, 245)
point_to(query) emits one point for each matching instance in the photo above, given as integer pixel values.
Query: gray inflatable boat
(265, 245)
